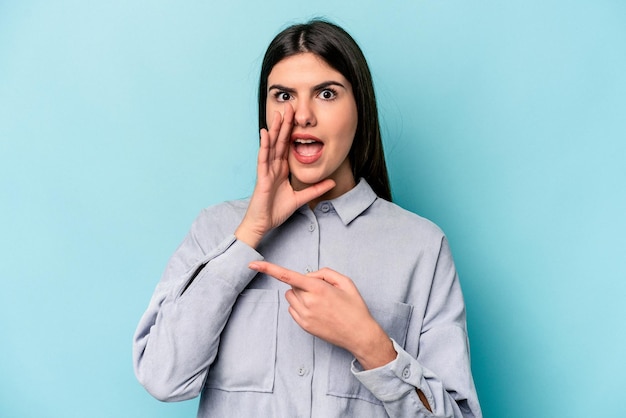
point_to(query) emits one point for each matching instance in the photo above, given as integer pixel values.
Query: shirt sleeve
(441, 370)
(178, 336)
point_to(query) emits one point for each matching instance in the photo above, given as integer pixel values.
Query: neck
(343, 185)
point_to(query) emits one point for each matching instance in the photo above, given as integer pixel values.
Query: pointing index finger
(287, 276)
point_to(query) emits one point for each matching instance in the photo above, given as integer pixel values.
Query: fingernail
(253, 266)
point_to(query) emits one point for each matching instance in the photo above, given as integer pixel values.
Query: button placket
(309, 264)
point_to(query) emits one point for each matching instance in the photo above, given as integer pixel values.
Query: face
(325, 120)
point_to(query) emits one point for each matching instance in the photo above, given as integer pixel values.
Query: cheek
(350, 123)
(270, 113)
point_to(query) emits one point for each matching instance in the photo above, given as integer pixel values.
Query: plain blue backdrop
(504, 122)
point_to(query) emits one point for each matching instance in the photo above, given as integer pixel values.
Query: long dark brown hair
(339, 50)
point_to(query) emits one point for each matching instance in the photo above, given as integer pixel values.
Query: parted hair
(340, 51)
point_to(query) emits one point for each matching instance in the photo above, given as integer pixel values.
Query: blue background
(504, 122)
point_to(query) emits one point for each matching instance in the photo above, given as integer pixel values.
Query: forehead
(303, 69)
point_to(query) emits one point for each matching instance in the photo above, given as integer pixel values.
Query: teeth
(304, 141)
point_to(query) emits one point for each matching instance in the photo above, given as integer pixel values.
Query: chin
(307, 178)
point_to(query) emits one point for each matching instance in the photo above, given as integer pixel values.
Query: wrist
(376, 351)
(248, 236)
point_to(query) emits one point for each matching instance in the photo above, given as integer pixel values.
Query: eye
(282, 96)
(328, 94)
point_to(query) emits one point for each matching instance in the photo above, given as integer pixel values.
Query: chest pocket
(247, 352)
(394, 317)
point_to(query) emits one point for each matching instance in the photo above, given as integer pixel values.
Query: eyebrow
(319, 86)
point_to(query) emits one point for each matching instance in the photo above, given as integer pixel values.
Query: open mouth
(307, 147)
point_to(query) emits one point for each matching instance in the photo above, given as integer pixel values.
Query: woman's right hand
(274, 199)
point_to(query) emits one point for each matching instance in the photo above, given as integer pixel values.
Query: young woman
(316, 297)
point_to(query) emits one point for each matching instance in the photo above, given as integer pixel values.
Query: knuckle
(327, 271)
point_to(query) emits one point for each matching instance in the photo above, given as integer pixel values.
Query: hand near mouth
(274, 199)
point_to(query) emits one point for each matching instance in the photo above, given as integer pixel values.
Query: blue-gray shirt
(216, 328)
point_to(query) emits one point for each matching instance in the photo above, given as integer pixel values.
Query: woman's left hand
(328, 305)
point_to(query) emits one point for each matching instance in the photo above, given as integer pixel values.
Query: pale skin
(274, 199)
(324, 303)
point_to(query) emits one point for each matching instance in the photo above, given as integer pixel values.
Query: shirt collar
(354, 202)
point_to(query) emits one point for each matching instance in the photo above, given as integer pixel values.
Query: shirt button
(301, 371)
(406, 373)
(308, 269)
(325, 207)
(312, 227)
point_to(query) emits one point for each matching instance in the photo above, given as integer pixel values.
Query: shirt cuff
(393, 380)
(228, 263)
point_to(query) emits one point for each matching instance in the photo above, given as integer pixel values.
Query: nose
(304, 114)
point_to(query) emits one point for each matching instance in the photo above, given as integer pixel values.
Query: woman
(317, 296)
